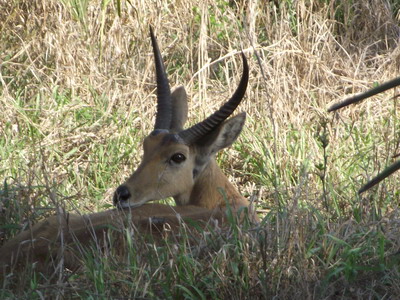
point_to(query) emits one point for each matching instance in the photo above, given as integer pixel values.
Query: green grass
(77, 99)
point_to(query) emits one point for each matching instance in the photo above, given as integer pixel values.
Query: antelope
(177, 162)
(357, 98)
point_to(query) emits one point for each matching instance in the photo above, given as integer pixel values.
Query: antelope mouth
(123, 205)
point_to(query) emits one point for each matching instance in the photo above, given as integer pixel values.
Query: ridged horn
(198, 130)
(357, 98)
(164, 110)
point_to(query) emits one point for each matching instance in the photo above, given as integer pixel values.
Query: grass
(77, 98)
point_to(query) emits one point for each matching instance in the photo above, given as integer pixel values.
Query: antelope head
(175, 158)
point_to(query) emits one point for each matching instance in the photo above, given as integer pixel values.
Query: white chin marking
(131, 205)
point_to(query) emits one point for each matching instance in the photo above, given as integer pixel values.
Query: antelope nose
(121, 195)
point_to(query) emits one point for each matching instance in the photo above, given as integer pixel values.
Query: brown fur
(64, 235)
(155, 178)
(213, 189)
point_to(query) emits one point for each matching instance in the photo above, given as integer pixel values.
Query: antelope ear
(224, 136)
(179, 109)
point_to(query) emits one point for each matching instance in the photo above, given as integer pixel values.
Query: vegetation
(77, 98)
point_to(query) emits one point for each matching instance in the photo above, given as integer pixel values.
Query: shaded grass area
(77, 97)
(291, 254)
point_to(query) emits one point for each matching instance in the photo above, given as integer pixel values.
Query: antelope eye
(178, 158)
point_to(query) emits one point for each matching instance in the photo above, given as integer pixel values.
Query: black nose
(122, 194)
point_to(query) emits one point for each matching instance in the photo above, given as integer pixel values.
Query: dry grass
(77, 98)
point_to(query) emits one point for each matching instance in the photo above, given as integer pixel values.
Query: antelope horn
(198, 130)
(164, 110)
(357, 98)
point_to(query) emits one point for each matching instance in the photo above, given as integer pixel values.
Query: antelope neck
(212, 189)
